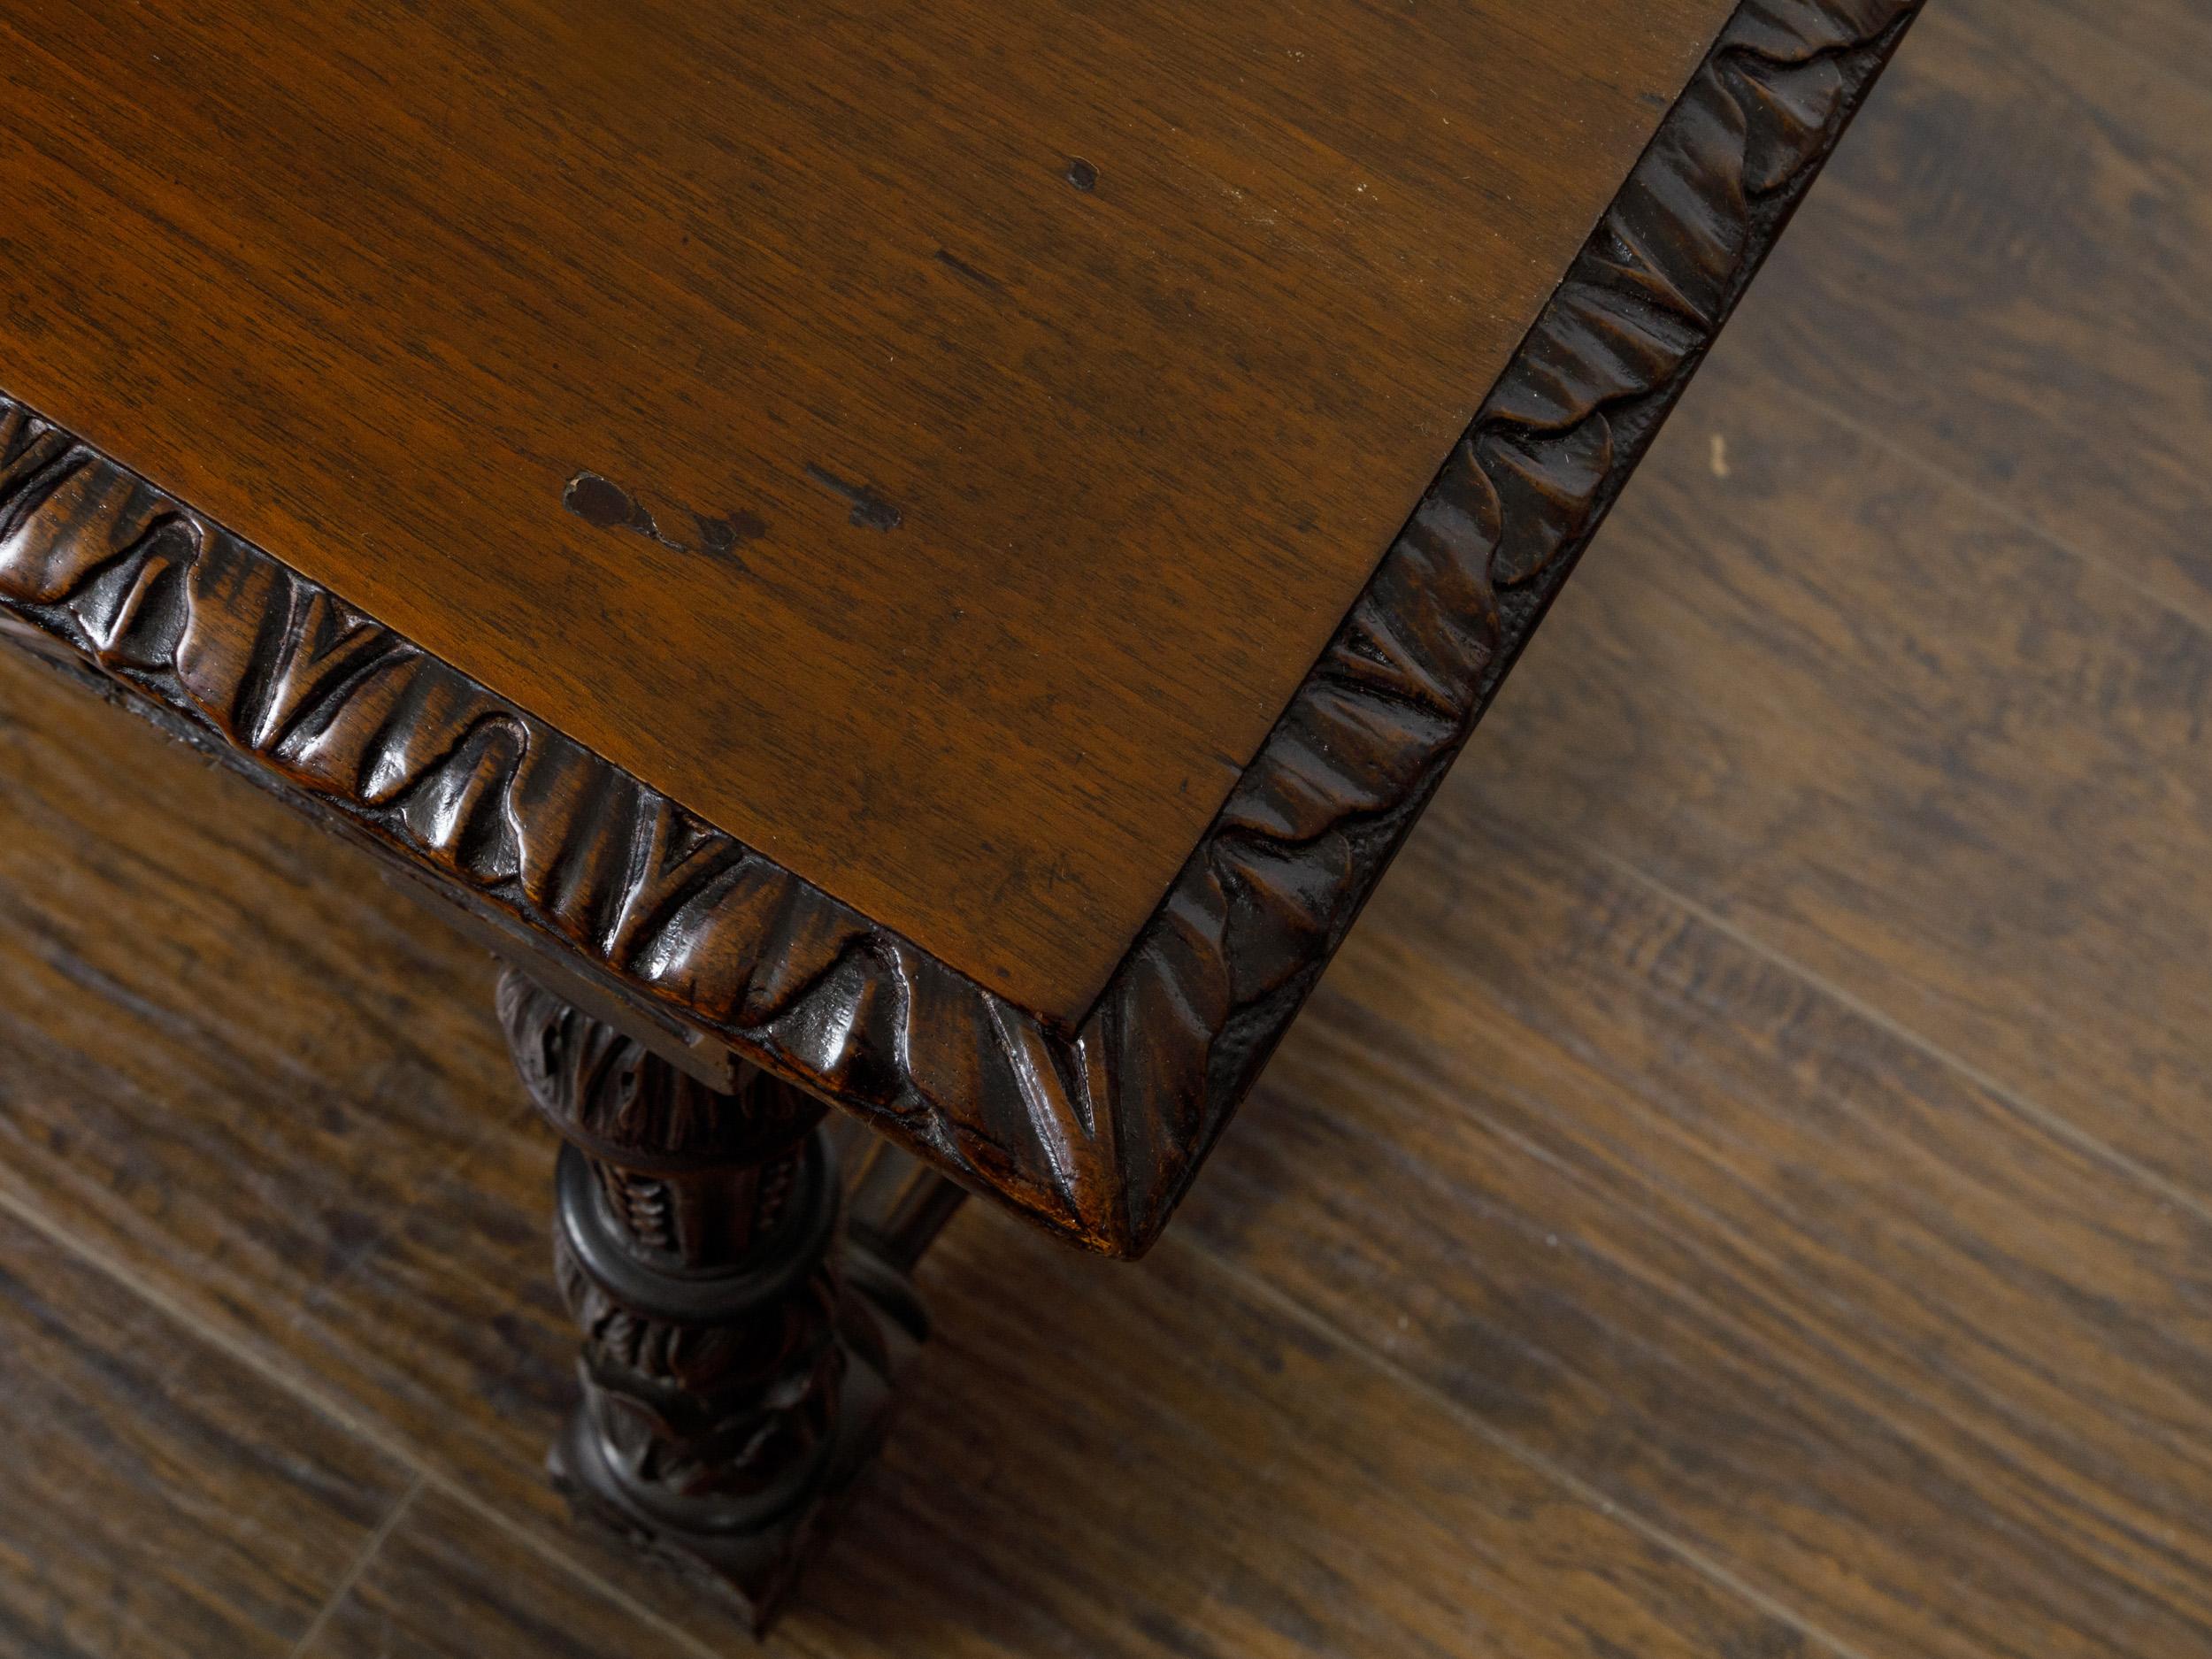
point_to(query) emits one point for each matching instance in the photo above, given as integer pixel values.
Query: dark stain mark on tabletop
(721, 536)
(871, 510)
(953, 262)
(605, 504)
(1081, 175)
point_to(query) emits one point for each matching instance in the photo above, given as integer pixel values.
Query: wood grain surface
(1737, 1193)
(163, 1501)
(933, 447)
(1097, 1130)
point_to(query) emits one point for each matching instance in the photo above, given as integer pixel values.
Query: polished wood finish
(431, 416)
(1097, 1130)
(1136, 655)
(739, 1361)
(1742, 1191)
(932, 447)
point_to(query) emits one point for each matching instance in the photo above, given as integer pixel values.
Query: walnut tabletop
(936, 550)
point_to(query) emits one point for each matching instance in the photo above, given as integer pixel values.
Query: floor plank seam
(1840, 1360)
(2051, 1122)
(390, 1223)
(1996, 506)
(247, 1354)
(368, 1552)
(1529, 1457)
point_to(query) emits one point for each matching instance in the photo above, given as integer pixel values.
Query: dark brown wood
(1742, 1089)
(164, 1502)
(1096, 1130)
(737, 1369)
(2021, 287)
(385, 1253)
(1699, 1101)
(895, 1205)
(860, 427)
(444, 1586)
(2019, 255)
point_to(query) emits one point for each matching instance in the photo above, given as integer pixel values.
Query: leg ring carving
(735, 1375)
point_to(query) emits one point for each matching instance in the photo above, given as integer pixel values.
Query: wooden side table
(922, 563)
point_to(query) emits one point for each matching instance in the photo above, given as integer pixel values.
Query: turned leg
(738, 1359)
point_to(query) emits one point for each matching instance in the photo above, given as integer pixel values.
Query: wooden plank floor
(1745, 1189)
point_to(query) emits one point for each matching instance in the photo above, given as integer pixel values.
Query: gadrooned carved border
(1097, 1136)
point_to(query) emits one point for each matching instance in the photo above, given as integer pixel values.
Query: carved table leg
(737, 1361)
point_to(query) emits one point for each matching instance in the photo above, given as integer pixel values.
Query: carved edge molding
(1096, 1135)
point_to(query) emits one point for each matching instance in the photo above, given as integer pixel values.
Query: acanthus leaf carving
(1095, 1132)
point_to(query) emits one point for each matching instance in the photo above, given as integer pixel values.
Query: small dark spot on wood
(601, 502)
(714, 534)
(953, 262)
(604, 503)
(871, 510)
(1081, 175)
(721, 536)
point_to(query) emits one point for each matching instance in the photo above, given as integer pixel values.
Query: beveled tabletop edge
(1095, 1133)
